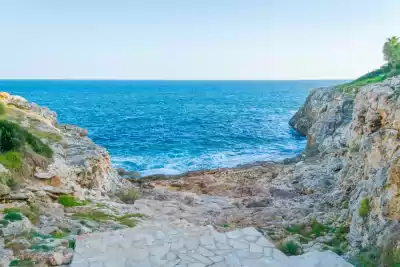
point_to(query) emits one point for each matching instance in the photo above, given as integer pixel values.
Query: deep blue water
(174, 126)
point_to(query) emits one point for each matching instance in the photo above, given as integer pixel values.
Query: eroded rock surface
(340, 195)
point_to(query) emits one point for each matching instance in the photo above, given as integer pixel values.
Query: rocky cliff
(340, 195)
(359, 140)
(77, 164)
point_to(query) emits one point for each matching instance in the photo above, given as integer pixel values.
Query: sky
(193, 39)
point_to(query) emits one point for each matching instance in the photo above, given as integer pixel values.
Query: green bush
(13, 137)
(367, 257)
(364, 208)
(59, 234)
(70, 201)
(8, 180)
(92, 215)
(72, 243)
(13, 216)
(2, 108)
(290, 248)
(31, 212)
(128, 222)
(315, 229)
(22, 263)
(318, 229)
(99, 216)
(128, 196)
(11, 160)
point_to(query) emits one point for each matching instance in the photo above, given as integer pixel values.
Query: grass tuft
(70, 201)
(290, 248)
(99, 216)
(2, 108)
(22, 263)
(11, 160)
(15, 138)
(364, 208)
(128, 196)
(13, 216)
(46, 135)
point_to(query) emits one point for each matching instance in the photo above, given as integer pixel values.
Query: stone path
(154, 244)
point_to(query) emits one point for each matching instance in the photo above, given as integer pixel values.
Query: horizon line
(129, 79)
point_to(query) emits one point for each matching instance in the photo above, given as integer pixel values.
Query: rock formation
(341, 194)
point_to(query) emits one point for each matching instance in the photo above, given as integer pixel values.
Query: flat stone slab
(165, 245)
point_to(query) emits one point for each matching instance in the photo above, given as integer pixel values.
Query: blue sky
(190, 39)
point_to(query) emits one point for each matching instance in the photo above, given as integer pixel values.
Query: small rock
(44, 175)
(4, 190)
(68, 255)
(56, 259)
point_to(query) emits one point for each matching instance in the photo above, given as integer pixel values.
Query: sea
(171, 127)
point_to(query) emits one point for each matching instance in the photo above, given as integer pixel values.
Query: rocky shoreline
(341, 194)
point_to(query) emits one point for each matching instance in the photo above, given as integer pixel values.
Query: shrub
(318, 229)
(13, 216)
(31, 212)
(290, 248)
(2, 108)
(93, 215)
(129, 196)
(70, 201)
(22, 263)
(13, 137)
(315, 229)
(8, 180)
(46, 135)
(364, 208)
(128, 222)
(367, 257)
(11, 160)
(59, 234)
(100, 216)
(71, 243)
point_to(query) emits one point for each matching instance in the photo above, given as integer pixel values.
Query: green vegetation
(22, 263)
(391, 53)
(8, 180)
(34, 234)
(42, 247)
(13, 216)
(290, 248)
(100, 205)
(316, 229)
(339, 243)
(2, 108)
(11, 160)
(15, 138)
(373, 257)
(70, 201)
(92, 215)
(128, 222)
(71, 243)
(364, 208)
(128, 196)
(309, 232)
(99, 216)
(59, 234)
(46, 135)
(30, 212)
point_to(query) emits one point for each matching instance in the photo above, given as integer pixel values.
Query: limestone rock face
(363, 137)
(322, 118)
(78, 165)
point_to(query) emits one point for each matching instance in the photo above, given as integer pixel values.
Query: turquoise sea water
(171, 127)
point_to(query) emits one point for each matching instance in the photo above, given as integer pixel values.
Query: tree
(391, 51)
